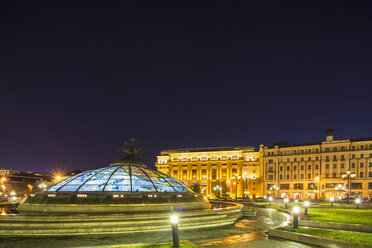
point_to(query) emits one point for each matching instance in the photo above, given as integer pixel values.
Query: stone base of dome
(75, 203)
(86, 224)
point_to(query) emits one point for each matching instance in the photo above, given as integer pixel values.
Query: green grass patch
(348, 216)
(360, 238)
(167, 245)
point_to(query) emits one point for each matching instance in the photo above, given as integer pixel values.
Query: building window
(302, 167)
(316, 158)
(317, 150)
(352, 165)
(269, 186)
(369, 185)
(317, 167)
(353, 156)
(281, 177)
(335, 149)
(327, 158)
(234, 171)
(361, 155)
(284, 186)
(361, 174)
(311, 186)
(271, 177)
(281, 168)
(327, 149)
(327, 166)
(361, 165)
(298, 186)
(342, 148)
(309, 159)
(302, 176)
(353, 148)
(333, 175)
(295, 167)
(342, 165)
(356, 185)
(334, 166)
(362, 147)
(214, 173)
(204, 184)
(309, 167)
(370, 174)
(290, 169)
(288, 177)
(370, 164)
(327, 175)
(308, 176)
(295, 159)
(342, 157)
(294, 176)
(309, 151)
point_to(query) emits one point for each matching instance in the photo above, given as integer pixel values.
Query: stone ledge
(337, 226)
(314, 240)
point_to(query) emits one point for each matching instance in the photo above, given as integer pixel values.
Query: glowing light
(286, 200)
(296, 210)
(306, 203)
(357, 201)
(270, 198)
(174, 219)
(332, 199)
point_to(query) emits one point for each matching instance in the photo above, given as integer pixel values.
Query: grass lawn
(361, 238)
(167, 245)
(349, 216)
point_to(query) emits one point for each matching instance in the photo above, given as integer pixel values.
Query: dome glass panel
(120, 178)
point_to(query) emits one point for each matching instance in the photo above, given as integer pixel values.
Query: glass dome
(120, 177)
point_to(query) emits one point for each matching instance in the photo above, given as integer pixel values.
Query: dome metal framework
(120, 177)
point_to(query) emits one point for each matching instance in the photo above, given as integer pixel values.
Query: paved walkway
(248, 233)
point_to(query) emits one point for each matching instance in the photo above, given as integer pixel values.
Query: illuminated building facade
(220, 171)
(319, 170)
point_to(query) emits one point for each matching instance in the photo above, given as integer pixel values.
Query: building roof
(286, 144)
(208, 149)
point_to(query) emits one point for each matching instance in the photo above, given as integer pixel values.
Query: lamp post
(357, 201)
(273, 188)
(348, 176)
(306, 204)
(286, 200)
(245, 178)
(317, 187)
(175, 237)
(296, 210)
(270, 200)
(332, 200)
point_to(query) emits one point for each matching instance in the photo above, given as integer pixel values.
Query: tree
(195, 187)
(129, 151)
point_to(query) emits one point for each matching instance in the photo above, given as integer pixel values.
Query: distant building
(318, 169)
(23, 183)
(235, 170)
(297, 171)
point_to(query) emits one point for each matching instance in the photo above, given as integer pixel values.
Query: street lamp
(317, 187)
(296, 210)
(332, 200)
(270, 199)
(306, 204)
(286, 200)
(245, 178)
(175, 237)
(348, 176)
(357, 201)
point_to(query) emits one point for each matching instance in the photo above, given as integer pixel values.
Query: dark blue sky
(77, 78)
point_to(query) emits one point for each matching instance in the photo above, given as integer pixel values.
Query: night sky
(78, 78)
